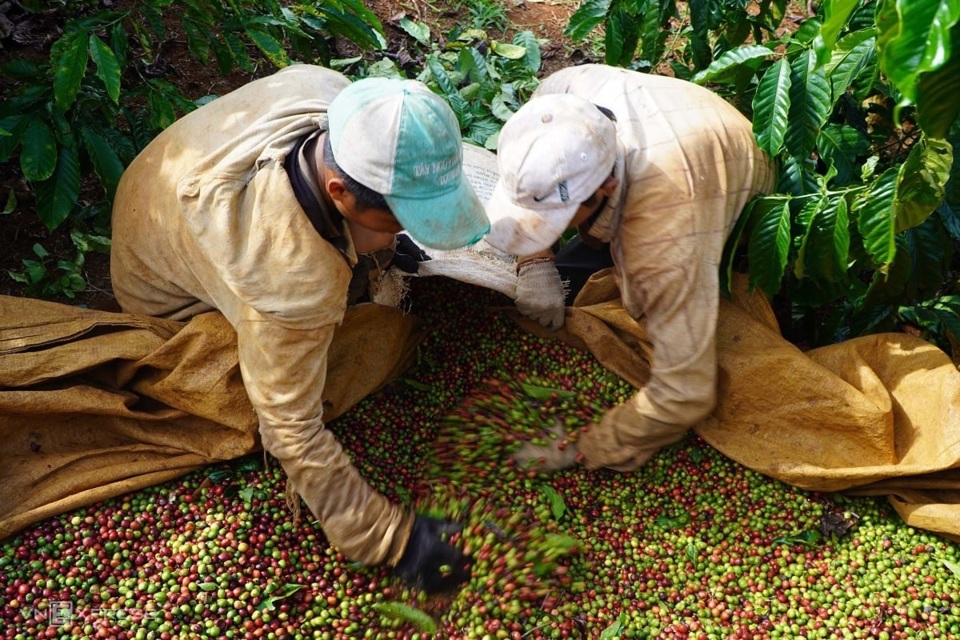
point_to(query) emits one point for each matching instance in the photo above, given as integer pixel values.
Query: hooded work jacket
(687, 165)
(206, 218)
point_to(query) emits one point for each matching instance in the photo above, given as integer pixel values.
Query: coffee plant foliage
(75, 119)
(483, 79)
(858, 106)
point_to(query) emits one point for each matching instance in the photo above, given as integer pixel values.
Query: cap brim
(521, 231)
(453, 220)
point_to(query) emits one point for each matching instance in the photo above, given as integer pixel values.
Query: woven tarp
(96, 404)
(875, 415)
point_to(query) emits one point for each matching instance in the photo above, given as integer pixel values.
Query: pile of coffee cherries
(692, 545)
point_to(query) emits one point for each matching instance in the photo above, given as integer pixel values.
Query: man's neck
(314, 156)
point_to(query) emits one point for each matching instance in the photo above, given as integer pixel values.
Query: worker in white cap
(653, 171)
(270, 204)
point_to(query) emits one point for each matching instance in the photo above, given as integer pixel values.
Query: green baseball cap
(403, 141)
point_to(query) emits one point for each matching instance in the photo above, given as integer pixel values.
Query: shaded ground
(29, 35)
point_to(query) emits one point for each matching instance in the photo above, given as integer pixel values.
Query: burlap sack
(96, 404)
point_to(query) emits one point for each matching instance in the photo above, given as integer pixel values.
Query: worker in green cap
(271, 204)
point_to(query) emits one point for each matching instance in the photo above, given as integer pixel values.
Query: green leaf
(876, 218)
(559, 544)
(700, 36)
(769, 244)
(354, 28)
(557, 506)
(441, 77)
(119, 44)
(809, 538)
(721, 68)
(929, 250)
(771, 104)
(666, 522)
(105, 160)
(587, 18)
(246, 494)
(509, 51)
(343, 63)
(472, 63)
(806, 219)
(913, 38)
(869, 167)
(23, 69)
(239, 52)
(15, 127)
(950, 216)
(222, 54)
(947, 310)
(528, 41)
(471, 91)
(731, 245)
(417, 30)
(650, 33)
(57, 195)
(797, 176)
(286, 591)
(154, 17)
(10, 204)
(810, 104)
(108, 69)
(827, 244)
(875, 305)
(270, 47)
(840, 145)
(38, 157)
(197, 42)
(162, 113)
(835, 14)
(922, 183)
(209, 586)
(248, 464)
(546, 393)
(406, 613)
(385, 68)
(621, 36)
(616, 629)
(500, 107)
(854, 54)
(357, 23)
(69, 67)
(938, 94)
(219, 475)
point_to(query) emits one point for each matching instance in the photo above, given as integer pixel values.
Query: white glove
(540, 292)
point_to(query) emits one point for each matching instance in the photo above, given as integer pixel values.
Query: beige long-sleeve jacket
(205, 218)
(688, 164)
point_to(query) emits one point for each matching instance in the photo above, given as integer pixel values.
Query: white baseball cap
(554, 153)
(403, 141)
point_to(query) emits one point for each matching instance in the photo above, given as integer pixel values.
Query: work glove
(622, 443)
(540, 291)
(557, 454)
(429, 562)
(408, 255)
